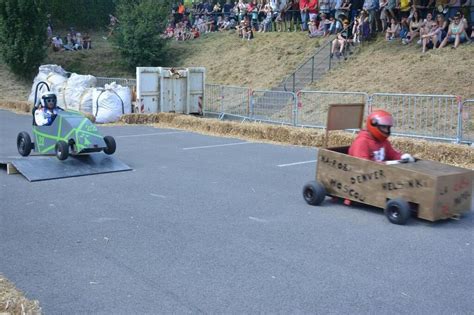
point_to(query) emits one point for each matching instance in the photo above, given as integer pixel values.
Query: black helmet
(49, 100)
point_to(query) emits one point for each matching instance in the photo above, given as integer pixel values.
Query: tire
(397, 211)
(23, 143)
(111, 145)
(314, 193)
(62, 150)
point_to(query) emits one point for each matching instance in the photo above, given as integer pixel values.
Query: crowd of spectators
(428, 23)
(72, 41)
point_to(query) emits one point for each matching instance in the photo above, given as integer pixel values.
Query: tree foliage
(81, 14)
(138, 33)
(23, 35)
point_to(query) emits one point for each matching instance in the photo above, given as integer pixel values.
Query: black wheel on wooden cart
(314, 193)
(397, 211)
(111, 145)
(62, 150)
(23, 143)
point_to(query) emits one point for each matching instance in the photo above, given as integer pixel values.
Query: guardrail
(436, 117)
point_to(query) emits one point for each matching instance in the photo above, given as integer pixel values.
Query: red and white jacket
(365, 146)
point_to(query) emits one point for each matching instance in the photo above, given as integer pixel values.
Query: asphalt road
(202, 227)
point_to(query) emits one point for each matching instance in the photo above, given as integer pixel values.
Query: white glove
(407, 157)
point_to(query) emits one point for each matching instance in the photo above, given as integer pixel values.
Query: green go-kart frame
(70, 133)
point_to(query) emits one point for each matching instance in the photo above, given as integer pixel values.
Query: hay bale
(453, 154)
(17, 106)
(12, 301)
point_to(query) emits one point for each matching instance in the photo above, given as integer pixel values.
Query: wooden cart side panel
(453, 195)
(373, 183)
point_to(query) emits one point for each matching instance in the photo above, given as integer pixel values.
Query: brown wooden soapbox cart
(430, 190)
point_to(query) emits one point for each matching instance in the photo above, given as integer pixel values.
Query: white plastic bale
(106, 106)
(125, 94)
(76, 93)
(55, 76)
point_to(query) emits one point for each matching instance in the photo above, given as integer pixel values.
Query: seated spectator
(428, 33)
(456, 33)
(240, 29)
(413, 28)
(393, 31)
(220, 22)
(86, 41)
(316, 29)
(247, 32)
(195, 32)
(341, 41)
(57, 43)
(404, 28)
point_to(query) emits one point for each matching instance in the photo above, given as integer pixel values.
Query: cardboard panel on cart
(373, 183)
(453, 195)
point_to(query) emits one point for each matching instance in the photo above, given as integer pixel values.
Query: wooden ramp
(39, 168)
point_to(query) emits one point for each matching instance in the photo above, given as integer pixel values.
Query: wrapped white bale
(53, 75)
(77, 94)
(125, 93)
(107, 105)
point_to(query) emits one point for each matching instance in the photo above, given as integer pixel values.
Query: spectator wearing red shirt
(372, 144)
(304, 6)
(313, 9)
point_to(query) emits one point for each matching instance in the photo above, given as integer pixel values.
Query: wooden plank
(11, 169)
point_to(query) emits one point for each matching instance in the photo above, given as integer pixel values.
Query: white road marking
(216, 145)
(158, 196)
(296, 163)
(258, 220)
(150, 134)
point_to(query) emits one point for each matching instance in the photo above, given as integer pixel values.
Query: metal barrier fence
(273, 106)
(227, 100)
(437, 117)
(467, 121)
(313, 105)
(102, 81)
(423, 116)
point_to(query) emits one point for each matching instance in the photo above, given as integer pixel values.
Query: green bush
(23, 35)
(80, 14)
(141, 23)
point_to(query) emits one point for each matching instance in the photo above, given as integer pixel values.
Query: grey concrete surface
(218, 230)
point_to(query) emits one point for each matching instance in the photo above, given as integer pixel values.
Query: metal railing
(313, 106)
(436, 117)
(102, 81)
(422, 116)
(466, 116)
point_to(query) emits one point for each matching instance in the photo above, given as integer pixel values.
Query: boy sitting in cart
(47, 112)
(372, 144)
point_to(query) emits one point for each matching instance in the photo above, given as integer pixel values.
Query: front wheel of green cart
(62, 150)
(314, 193)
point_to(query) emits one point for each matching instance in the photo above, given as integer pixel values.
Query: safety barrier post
(293, 90)
(222, 99)
(298, 105)
(460, 113)
(251, 103)
(329, 68)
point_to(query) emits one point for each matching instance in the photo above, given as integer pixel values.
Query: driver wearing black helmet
(45, 114)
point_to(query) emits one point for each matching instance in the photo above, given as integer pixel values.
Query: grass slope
(391, 67)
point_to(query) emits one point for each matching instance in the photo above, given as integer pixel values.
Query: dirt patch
(457, 155)
(13, 301)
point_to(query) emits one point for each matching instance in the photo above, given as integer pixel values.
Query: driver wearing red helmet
(372, 144)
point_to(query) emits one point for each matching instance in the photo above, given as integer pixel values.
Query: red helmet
(377, 119)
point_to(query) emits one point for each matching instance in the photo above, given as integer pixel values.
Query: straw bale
(13, 301)
(16, 106)
(453, 154)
